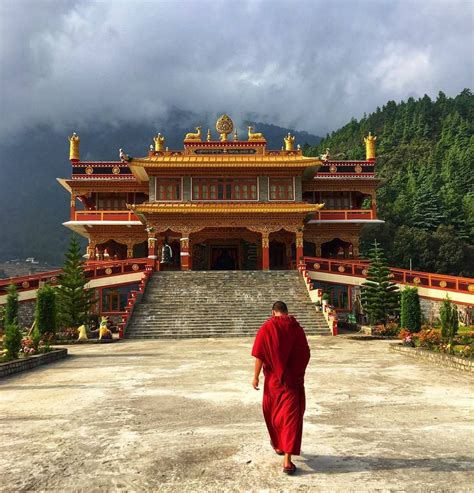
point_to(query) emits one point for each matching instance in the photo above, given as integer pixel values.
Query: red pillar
(299, 247)
(265, 252)
(185, 253)
(152, 256)
(72, 216)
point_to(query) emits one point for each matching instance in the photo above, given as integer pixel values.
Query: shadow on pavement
(330, 464)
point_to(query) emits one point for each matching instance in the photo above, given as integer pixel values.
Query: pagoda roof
(180, 160)
(225, 208)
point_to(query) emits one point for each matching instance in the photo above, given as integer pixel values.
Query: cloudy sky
(310, 65)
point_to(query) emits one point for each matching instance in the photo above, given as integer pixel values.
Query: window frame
(170, 179)
(233, 182)
(285, 199)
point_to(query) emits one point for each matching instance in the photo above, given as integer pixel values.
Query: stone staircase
(219, 304)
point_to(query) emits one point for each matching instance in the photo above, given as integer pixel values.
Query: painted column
(265, 251)
(129, 250)
(184, 241)
(159, 253)
(374, 207)
(152, 256)
(72, 215)
(91, 250)
(299, 246)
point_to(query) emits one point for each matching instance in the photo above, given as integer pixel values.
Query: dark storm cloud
(310, 65)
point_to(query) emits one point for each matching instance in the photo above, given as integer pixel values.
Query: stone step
(219, 304)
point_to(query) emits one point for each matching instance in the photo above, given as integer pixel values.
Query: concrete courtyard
(182, 416)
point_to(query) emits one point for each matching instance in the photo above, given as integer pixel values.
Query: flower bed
(439, 359)
(26, 363)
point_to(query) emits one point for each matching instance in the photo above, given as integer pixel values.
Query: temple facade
(221, 203)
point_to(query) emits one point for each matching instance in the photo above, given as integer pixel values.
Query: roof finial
(74, 142)
(370, 147)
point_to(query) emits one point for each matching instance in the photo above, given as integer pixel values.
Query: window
(336, 200)
(281, 189)
(238, 189)
(111, 201)
(115, 299)
(168, 189)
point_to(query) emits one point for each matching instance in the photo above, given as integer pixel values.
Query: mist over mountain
(33, 205)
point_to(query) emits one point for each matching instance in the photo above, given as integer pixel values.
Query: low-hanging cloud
(308, 65)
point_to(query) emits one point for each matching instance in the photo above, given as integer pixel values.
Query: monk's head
(279, 308)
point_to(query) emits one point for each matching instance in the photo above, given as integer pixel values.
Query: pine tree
(74, 301)
(11, 307)
(426, 211)
(410, 313)
(449, 319)
(12, 340)
(379, 295)
(46, 311)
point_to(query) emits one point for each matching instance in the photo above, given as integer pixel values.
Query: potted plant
(325, 299)
(318, 306)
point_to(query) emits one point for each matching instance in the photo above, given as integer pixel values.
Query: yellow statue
(74, 142)
(325, 156)
(104, 332)
(159, 141)
(255, 135)
(289, 142)
(82, 333)
(194, 136)
(370, 147)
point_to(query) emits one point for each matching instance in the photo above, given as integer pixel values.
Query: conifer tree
(449, 319)
(410, 313)
(379, 295)
(74, 301)
(46, 311)
(11, 307)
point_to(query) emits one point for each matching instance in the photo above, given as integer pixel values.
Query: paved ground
(181, 416)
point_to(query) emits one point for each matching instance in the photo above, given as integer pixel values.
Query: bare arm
(256, 373)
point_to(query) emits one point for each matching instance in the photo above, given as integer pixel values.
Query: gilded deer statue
(255, 135)
(194, 136)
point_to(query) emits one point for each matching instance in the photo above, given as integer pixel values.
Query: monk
(282, 349)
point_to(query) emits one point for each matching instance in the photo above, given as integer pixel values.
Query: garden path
(181, 416)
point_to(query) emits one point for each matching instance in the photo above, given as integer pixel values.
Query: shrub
(46, 312)
(11, 307)
(430, 339)
(449, 319)
(12, 340)
(389, 329)
(410, 316)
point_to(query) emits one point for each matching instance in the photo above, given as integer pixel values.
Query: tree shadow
(330, 464)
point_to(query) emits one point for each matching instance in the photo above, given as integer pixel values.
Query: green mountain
(425, 157)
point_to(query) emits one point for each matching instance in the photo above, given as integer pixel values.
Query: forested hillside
(425, 157)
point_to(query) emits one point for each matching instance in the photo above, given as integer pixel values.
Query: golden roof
(226, 161)
(225, 208)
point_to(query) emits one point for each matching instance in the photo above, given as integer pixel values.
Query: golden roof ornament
(209, 136)
(159, 141)
(74, 142)
(194, 135)
(236, 136)
(224, 125)
(289, 142)
(370, 147)
(255, 135)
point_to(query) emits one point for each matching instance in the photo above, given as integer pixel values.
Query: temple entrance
(278, 256)
(337, 249)
(224, 258)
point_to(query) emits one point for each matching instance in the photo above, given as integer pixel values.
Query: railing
(358, 268)
(344, 215)
(133, 298)
(105, 216)
(92, 270)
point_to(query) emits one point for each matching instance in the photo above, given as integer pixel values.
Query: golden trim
(226, 208)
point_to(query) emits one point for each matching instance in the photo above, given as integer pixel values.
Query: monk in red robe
(282, 349)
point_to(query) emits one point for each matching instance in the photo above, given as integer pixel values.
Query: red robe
(282, 346)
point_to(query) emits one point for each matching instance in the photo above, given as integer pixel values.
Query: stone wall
(438, 359)
(23, 364)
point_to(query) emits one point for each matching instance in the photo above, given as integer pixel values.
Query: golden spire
(236, 136)
(209, 136)
(289, 142)
(159, 141)
(370, 147)
(74, 142)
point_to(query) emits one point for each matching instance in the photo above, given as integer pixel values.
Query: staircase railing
(329, 313)
(134, 297)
